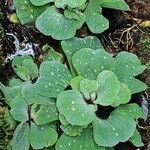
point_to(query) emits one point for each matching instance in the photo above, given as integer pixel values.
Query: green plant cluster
(62, 18)
(58, 106)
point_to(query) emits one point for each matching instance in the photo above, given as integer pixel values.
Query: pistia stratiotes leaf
(124, 95)
(84, 141)
(42, 136)
(127, 66)
(26, 12)
(75, 83)
(119, 126)
(45, 114)
(53, 23)
(72, 105)
(96, 22)
(71, 46)
(72, 4)
(40, 3)
(31, 95)
(88, 87)
(93, 63)
(19, 109)
(136, 139)
(54, 78)
(24, 67)
(21, 137)
(115, 4)
(132, 110)
(72, 130)
(109, 88)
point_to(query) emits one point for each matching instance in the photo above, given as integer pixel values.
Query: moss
(1, 36)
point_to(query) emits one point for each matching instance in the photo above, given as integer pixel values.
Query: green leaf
(31, 96)
(117, 128)
(132, 110)
(124, 95)
(72, 130)
(75, 44)
(75, 83)
(45, 114)
(42, 136)
(24, 67)
(26, 12)
(21, 137)
(55, 24)
(63, 120)
(115, 4)
(40, 3)
(72, 105)
(136, 139)
(72, 4)
(88, 87)
(51, 55)
(127, 66)
(15, 82)
(19, 109)
(96, 22)
(109, 88)
(93, 63)
(82, 142)
(54, 78)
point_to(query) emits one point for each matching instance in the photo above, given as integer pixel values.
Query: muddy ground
(125, 33)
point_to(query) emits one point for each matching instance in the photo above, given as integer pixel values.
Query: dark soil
(124, 34)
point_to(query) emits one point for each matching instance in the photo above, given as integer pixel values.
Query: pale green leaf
(72, 105)
(109, 88)
(82, 142)
(93, 63)
(21, 137)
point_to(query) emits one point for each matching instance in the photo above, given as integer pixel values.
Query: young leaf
(26, 12)
(82, 142)
(136, 139)
(72, 105)
(93, 63)
(75, 44)
(19, 109)
(109, 88)
(117, 128)
(127, 66)
(88, 86)
(42, 136)
(54, 78)
(75, 83)
(124, 95)
(21, 137)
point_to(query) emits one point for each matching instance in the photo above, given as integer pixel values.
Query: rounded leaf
(82, 142)
(42, 136)
(89, 63)
(117, 128)
(54, 78)
(72, 105)
(109, 88)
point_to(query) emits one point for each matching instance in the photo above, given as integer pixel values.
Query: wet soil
(124, 34)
